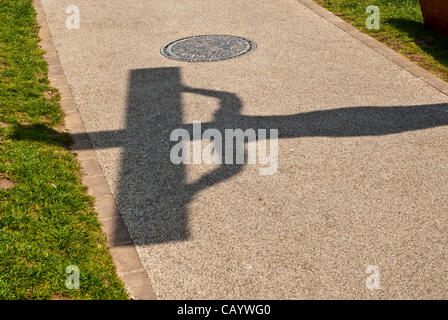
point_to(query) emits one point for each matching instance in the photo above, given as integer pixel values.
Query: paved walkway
(363, 164)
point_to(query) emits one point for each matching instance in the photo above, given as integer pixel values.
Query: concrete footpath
(362, 163)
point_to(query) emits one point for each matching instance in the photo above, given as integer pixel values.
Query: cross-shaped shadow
(153, 193)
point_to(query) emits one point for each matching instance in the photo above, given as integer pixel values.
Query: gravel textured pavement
(363, 164)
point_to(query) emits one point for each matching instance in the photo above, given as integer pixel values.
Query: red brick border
(382, 49)
(123, 252)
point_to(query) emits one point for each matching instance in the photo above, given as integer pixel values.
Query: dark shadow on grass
(153, 193)
(40, 133)
(429, 40)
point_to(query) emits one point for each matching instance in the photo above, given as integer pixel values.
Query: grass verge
(47, 221)
(401, 28)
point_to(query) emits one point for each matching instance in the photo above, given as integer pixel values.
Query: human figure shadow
(153, 193)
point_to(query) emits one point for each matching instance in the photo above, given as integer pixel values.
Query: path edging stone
(124, 254)
(379, 47)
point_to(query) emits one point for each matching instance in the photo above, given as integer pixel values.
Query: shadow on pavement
(153, 193)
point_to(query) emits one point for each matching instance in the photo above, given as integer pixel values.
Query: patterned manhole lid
(208, 48)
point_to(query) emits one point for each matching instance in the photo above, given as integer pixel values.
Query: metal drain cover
(208, 48)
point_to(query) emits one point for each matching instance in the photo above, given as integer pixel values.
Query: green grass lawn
(47, 221)
(401, 28)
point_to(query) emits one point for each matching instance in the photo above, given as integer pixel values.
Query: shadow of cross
(153, 193)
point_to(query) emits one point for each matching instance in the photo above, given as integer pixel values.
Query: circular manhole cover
(208, 48)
